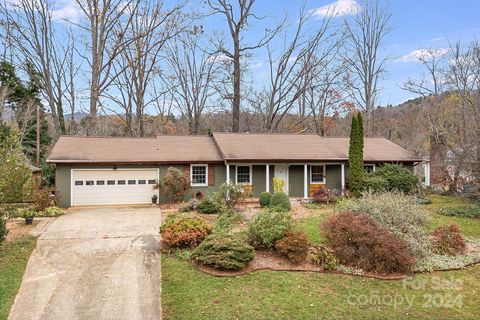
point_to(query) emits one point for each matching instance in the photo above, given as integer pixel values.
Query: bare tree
(35, 40)
(151, 28)
(237, 18)
(107, 27)
(366, 32)
(293, 70)
(431, 83)
(193, 72)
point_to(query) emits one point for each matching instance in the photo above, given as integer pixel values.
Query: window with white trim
(244, 174)
(317, 174)
(198, 174)
(369, 168)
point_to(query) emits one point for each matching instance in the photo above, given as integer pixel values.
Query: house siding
(220, 177)
(295, 180)
(334, 176)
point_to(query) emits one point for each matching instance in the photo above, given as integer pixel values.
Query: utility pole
(37, 162)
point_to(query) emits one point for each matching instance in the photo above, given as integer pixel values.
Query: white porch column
(267, 178)
(228, 174)
(427, 173)
(343, 178)
(305, 181)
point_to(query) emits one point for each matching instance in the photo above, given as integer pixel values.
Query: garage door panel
(92, 187)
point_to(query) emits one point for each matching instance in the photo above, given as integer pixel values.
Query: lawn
(13, 260)
(188, 293)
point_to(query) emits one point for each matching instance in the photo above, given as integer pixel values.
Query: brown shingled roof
(303, 147)
(162, 149)
(241, 147)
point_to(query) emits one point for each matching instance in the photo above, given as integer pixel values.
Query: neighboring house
(100, 171)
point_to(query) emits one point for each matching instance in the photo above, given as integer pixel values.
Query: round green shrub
(208, 206)
(280, 199)
(264, 199)
(268, 226)
(375, 183)
(224, 251)
(398, 178)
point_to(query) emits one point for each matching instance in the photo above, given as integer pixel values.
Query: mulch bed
(267, 260)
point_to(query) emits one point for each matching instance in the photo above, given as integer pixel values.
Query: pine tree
(355, 156)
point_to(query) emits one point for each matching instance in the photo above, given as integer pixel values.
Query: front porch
(302, 180)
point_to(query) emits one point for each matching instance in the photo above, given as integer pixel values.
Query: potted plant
(154, 199)
(28, 214)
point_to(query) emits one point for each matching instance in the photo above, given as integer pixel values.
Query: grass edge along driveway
(14, 257)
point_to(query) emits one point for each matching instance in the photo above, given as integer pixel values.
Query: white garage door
(111, 187)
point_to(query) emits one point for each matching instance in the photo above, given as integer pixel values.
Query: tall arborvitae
(355, 156)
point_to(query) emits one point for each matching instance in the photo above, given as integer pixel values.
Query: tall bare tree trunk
(37, 160)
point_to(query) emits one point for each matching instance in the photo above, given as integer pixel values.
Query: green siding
(334, 176)
(258, 180)
(295, 180)
(220, 177)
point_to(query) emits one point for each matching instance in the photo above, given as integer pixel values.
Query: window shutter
(186, 170)
(211, 174)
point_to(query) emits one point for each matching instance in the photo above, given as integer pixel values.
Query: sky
(417, 24)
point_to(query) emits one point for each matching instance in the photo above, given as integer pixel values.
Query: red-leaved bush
(448, 240)
(294, 246)
(184, 232)
(358, 241)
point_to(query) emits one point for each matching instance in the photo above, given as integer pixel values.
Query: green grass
(311, 227)
(188, 293)
(469, 227)
(13, 260)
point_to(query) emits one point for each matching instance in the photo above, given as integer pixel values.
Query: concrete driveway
(94, 263)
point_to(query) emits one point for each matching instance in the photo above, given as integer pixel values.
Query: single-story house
(111, 171)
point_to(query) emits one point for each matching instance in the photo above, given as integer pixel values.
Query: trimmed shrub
(324, 257)
(448, 240)
(375, 183)
(3, 229)
(184, 232)
(398, 213)
(266, 227)
(51, 212)
(280, 199)
(358, 241)
(398, 178)
(464, 211)
(230, 195)
(192, 204)
(264, 199)
(208, 206)
(224, 251)
(294, 246)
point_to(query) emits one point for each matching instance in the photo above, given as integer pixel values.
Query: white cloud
(337, 9)
(68, 11)
(423, 54)
(61, 10)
